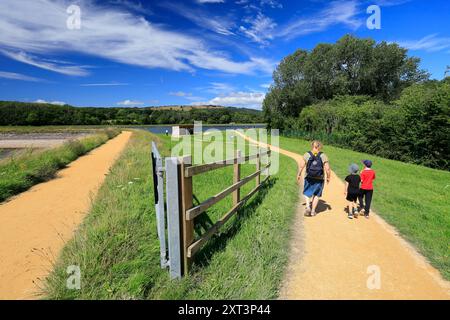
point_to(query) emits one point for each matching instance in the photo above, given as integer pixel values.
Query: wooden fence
(190, 246)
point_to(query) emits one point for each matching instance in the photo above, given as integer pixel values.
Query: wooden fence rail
(189, 212)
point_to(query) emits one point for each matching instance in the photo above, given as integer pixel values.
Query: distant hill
(39, 114)
(186, 108)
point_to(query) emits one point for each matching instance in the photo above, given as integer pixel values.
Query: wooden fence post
(237, 177)
(258, 167)
(187, 203)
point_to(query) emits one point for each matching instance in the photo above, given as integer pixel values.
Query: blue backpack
(314, 167)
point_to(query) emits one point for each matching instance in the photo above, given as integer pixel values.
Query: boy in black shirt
(352, 182)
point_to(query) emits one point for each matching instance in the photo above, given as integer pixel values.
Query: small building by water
(182, 130)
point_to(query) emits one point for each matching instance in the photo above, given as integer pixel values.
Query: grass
(117, 247)
(20, 172)
(414, 199)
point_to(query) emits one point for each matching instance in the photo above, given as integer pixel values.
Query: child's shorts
(352, 197)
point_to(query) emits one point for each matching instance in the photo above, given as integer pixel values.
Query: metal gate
(169, 238)
(177, 243)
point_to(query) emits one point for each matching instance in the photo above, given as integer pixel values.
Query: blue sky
(143, 53)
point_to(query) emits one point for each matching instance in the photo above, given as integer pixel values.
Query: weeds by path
(19, 173)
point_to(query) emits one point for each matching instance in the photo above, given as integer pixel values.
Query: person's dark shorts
(352, 197)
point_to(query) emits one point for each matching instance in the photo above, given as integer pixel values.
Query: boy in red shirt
(366, 194)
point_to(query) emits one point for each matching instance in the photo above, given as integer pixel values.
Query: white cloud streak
(221, 25)
(18, 76)
(337, 12)
(111, 34)
(251, 100)
(430, 43)
(260, 30)
(108, 84)
(59, 103)
(130, 103)
(210, 1)
(69, 70)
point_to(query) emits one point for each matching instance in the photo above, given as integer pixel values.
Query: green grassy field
(21, 171)
(414, 199)
(117, 247)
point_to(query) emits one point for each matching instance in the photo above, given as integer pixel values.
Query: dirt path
(333, 257)
(35, 224)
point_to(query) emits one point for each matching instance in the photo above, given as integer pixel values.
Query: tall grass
(412, 198)
(19, 173)
(117, 247)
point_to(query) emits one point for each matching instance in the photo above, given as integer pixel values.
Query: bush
(415, 128)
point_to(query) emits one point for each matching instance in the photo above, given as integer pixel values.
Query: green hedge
(415, 128)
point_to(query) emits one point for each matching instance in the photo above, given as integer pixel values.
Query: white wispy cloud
(388, 3)
(186, 95)
(107, 84)
(430, 43)
(18, 76)
(218, 88)
(130, 103)
(50, 65)
(132, 5)
(251, 100)
(109, 33)
(202, 18)
(259, 5)
(336, 12)
(260, 28)
(180, 94)
(59, 103)
(210, 1)
(271, 3)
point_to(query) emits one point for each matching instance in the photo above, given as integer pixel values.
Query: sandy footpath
(333, 257)
(35, 224)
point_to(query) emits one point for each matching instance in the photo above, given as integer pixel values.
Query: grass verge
(414, 199)
(117, 248)
(17, 174)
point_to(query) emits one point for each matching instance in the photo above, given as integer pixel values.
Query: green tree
(351, 66)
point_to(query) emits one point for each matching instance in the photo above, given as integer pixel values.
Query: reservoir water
(162, 129)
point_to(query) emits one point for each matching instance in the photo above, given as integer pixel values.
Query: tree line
(14, 113)
(365, 96)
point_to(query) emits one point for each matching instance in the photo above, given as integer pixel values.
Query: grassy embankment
(414, 199)
(21, 172)
(117, 247)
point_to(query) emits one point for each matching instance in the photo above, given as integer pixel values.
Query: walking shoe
(313, 213)
(350, 216)
(366, 216)
(308, 212)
